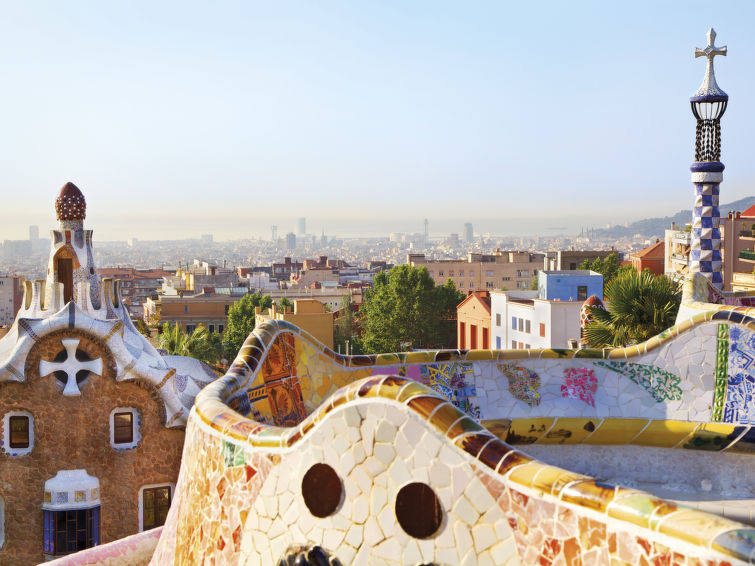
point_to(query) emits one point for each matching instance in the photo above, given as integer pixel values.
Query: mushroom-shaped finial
(70, 204)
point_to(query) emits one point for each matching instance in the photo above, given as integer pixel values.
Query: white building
(11, 294)
(676, 263)
(519, 319)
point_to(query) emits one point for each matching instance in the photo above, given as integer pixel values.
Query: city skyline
(376, 115)
(114, 228)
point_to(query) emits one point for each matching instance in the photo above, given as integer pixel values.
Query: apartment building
(208, 308)
(11, 295)
(137, 285)
(737, 251)
(501, 270)
(739, 255)
(546, 318)
(563, 260)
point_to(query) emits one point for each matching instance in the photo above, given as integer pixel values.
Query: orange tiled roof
(482, 296)
(656, 250)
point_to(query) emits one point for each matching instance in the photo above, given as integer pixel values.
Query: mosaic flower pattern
(580, 384)
(740, 391)
(661, 384)
(523, 383)
(454, 381)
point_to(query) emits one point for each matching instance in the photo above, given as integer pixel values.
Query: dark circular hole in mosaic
(418, 510)
(322, 490)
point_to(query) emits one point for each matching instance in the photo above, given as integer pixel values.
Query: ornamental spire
(710, 89)
(70, 204)
(708, 105)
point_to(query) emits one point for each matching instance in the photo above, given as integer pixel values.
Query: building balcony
(680, 258)
(747, 256)
(746, 235)
(742, 281)
(682, 237)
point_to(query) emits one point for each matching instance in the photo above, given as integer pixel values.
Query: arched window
(64, 264)
(124, 428)
(18, 433)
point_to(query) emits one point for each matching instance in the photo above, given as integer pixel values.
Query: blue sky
(189, 117)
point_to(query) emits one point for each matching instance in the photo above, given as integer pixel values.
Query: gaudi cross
(71, 367)
(710, 52)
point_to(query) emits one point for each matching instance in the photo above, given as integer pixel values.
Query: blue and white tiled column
(705, 249)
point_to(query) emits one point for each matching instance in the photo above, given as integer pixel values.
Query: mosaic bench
(383, 423)
(428, 457)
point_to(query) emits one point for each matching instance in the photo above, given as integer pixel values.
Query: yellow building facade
(309, 314)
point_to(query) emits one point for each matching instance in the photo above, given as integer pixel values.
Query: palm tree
(200, 344)
(640, 306)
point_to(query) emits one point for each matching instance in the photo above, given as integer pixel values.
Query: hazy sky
(227, 117)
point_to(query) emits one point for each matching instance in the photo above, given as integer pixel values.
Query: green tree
(284, 304)
(608, 267)
(200, 344)
(142, 327)
(241, 321)
(346, 328)
(405, 308)
(640, 306)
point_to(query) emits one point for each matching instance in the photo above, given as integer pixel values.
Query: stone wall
(74, 433)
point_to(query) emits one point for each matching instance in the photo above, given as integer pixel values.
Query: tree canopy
(284, 304)
(405, 309)
(346, 329)
(608, 267)
(640, 305)
(241, 321)
(200, 344)
(142, 327)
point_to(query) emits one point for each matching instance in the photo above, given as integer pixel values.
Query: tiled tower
(708, 105)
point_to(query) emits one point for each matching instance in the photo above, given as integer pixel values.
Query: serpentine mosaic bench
(407, 458)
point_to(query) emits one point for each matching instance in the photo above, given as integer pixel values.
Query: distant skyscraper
(468, 233)
(301, 225)
(274, 232)
(34, 233)
(290, 241)
(426, 234)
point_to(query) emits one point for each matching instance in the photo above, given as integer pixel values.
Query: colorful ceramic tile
(722, 373)
(740, 391)
(665, 434)
(454, 381)
(661, 384)
(524, 384)
(616, 431)
(567, 430)
(528, 431)
(581, 384)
